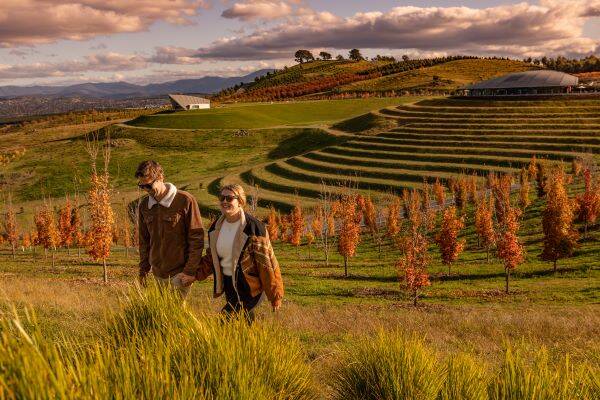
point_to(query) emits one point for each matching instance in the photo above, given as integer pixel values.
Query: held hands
(186, 280)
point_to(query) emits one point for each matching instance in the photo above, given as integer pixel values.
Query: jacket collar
(165, 201)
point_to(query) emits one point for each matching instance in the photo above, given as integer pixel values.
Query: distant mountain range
(121, 90)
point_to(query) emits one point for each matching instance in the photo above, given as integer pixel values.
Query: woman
(241, 257)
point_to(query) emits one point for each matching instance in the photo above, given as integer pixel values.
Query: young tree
(65, 218)
(540, 178)
(501, 193)
(26, 241)
(440, 194)
(588, 202)
(10, 227)
(284, 225)
(447, 237)
(310, 238)
(393, 217)
(524, 200)
(461, 194)
(370, 214)
(99, 199)
(349, 232)
(47, 232)
(484, 224)
(560, 237)
(412, 267)
(272, 225)
(509, 248)
(297, 222)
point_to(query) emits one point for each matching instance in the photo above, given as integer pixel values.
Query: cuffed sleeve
(195, 238)
(206, 267)
(144, 245)
(268, 269)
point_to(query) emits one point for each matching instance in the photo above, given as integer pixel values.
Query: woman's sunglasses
(229, 198)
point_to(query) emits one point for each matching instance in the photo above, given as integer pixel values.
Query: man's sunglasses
(229, 198)
(146, 186)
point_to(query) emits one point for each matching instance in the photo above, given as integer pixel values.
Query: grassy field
(379, 147)
(252, 116)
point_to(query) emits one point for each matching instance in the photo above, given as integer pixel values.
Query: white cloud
(550, 27)
(32, 22)
(250, 10)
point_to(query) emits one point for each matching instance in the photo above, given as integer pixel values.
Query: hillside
(318, 79)
(448, 76)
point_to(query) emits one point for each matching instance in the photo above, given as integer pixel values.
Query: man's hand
(186, 280)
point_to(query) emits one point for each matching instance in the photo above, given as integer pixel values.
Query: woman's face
(229, 203)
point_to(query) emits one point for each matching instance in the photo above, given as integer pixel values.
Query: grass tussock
(154, 349)
(396, 366)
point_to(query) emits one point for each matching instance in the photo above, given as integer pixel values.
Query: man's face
(148, 184)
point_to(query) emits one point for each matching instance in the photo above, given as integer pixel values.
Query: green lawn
(251, 116)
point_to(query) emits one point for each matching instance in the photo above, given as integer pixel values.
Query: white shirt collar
(167, 200)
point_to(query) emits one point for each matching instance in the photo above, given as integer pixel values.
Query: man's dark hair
(149, 169)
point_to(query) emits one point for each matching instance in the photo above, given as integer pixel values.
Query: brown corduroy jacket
(171, 238)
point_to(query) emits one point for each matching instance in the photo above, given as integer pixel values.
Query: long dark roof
(184, 100)
(527, 79)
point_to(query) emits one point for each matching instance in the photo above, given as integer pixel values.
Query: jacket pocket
(171, 221)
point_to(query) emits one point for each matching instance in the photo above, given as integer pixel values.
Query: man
(170, 229)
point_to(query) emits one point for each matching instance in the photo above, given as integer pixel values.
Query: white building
(184, 102)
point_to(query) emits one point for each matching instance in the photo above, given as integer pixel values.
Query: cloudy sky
(141, 41)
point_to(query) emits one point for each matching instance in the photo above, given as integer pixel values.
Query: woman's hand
(276, 305)
(187, 280)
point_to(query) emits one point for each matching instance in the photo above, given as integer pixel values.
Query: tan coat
(253, 260)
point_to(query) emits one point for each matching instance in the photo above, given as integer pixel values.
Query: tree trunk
(487, 254)
(449, 269)
(105, 270)
(13, 250)
(555, 265)
(52, 258)
(585, 228)
(126, 251)
(68, 250)
(415, 297)
(507, 278)
(345, 266)
(78, 252)
(309, 252)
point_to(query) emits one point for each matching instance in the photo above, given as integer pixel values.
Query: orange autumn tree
(47, 233)
(588, 202)
(370, 215)
(484, 223)
(65, 227)
(447, 237)
(284, 226)
(524, 200)
(461, 194)
(412, 266)
(560, 236)
(509, 248)
(297, 225)
(439, 193)
(100, 211)
(272, 225)
(349, 231)
(393, 217)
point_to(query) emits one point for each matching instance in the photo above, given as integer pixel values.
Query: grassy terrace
(438, 139)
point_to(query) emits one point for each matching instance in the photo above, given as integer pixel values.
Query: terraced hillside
(439, 138)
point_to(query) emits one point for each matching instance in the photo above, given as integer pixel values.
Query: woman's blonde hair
(238, 190)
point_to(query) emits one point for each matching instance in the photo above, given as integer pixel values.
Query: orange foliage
(65, 217)
(393, 217)
(447, 237)
(297, 222)
(560, 237)
(524, 200)
(484, 223)
(589, 201)
(510, 249)
(440, 193)
(349, 233)
(272, 226)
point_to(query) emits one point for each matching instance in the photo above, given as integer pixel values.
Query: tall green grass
(154, 348)
(394, 366)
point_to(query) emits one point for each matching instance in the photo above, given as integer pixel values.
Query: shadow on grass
(304, 141)
(531, 274)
